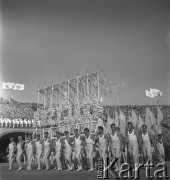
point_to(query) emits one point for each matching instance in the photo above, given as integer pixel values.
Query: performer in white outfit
(47, 150)
(68, 150)
(89, 143)
(133, 142)
(78, 146)
(115, 145)
(146, 144)
(58, 143)
(160, 148)
(29, 147)
(11, 150)
(102, 143)
(39, 150)
(19, 152)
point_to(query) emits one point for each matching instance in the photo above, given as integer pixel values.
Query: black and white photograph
(84, 89)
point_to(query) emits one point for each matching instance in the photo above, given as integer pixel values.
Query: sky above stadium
(45, 40)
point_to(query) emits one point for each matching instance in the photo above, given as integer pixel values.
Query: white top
(29, 146)
(19, 149)
(46, 144)
(114, 137)
(58, 143)
(11, 147)
(145, 137)
(77, 141)
(66, 143)
(132, 136)
(102, 140)
(38, 145)
(89, 140)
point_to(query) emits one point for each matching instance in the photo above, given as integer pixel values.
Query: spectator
(13, 122)
(25, 123)
(6, 122)
(21, 122)
(29, 123)
(17, 123)
(9, 122)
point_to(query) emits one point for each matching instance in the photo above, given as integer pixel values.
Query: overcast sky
(45, 40)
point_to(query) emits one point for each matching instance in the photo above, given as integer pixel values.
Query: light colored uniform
(38, 152)
(67, 149)
(115, 144)
(77, 147)
(29, 152)
(89, 147)
(58, 152)
(11, 151)
(146, 144)
(133, 144)
(46, 152)
(102, 146)
(160, 148)
(19, 151)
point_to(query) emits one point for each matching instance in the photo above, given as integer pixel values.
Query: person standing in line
(68, 150)
(146, 144)
(115, 145)
(89, 143)
(47, 150)
(160, 148)
(29, 148)
(102, 139)
(19, 152)
(38, 149)
(11, 150)
(134, 144)
(58, 143)
(78, 146)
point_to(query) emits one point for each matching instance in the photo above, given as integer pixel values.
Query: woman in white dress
(58, 143)
(11, 150)
(38, 149)
(29, 147)
(47, 150)
(19, 152)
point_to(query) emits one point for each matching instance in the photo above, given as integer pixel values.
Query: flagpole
(87, 83)
(38, 95)
(68, 90)
(98, 90)
(52, 94)
(77, 90)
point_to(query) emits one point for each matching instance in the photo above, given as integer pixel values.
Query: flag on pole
(19, 87)
(109, 122)
(122, 125)
(156, 92)
(134, 119)
(160, 118)
(116, 121)
(7, 85)
(149, 93)
(140, 122)
(150, 120)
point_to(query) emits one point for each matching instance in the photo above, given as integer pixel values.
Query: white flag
(150, 93)
(19, 87)
(7, 85)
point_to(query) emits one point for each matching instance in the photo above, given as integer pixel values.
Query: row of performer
(16, 123)
(72, 150)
